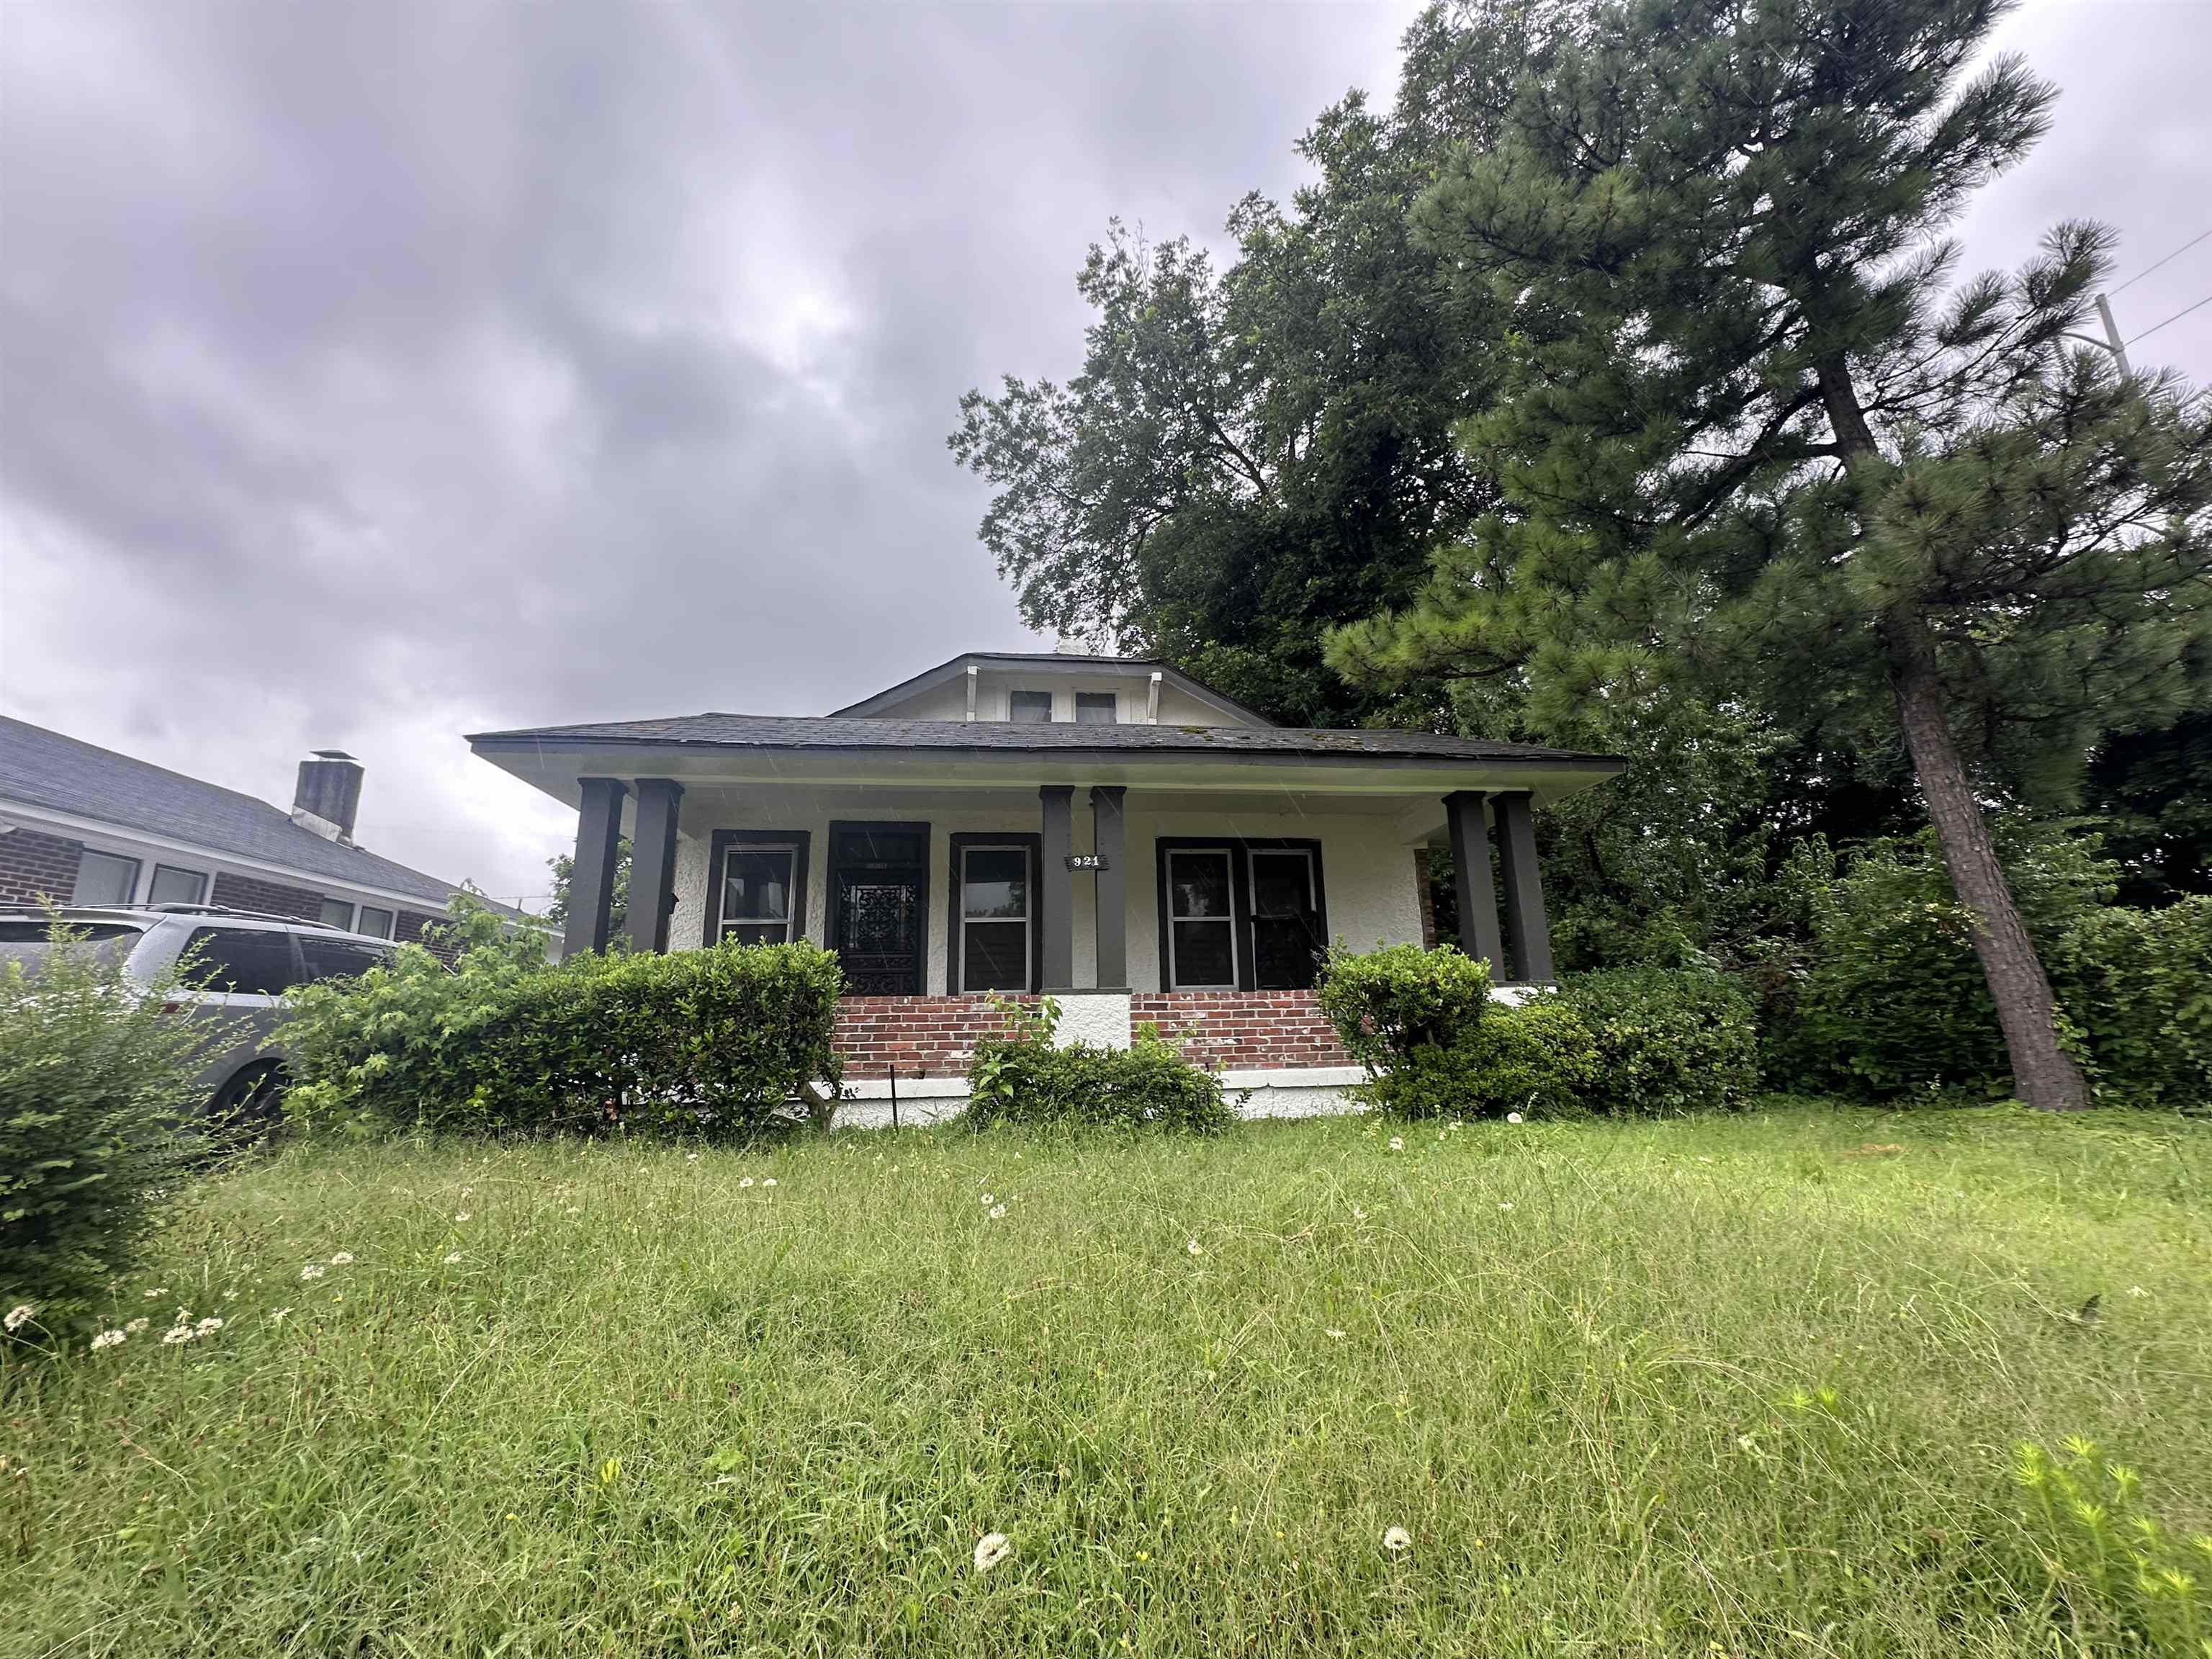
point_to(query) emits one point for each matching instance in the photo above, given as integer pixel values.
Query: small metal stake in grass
(894, 1096)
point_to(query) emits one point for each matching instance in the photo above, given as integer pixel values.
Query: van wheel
(251, 1102)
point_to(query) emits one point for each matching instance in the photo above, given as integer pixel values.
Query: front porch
(1203, 911)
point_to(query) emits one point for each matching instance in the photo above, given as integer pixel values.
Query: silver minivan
(243, 964)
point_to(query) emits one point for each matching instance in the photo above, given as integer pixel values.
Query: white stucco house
(1108, 830)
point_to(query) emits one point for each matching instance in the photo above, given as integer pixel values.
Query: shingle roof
(794, 732)
(41, 768)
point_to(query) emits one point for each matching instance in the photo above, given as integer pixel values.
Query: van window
(256, 964)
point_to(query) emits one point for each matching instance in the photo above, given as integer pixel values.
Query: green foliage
(2138, 984)
(1666, 1041)
(2104, 1555)
(561, 866)
(1894, 999)
(1023, 1078)
(1434, 1044)
(715, 1041)
(1384, 1004)
(95, 1080)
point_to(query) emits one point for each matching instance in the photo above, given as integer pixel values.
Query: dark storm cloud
(373, 373)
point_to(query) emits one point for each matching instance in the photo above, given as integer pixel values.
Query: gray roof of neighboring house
(41, 768)
(796, 731)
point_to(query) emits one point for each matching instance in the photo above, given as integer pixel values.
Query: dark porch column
(1478, 896)
(1056, 923)
(653, 863)
(592, 878)
(1524, 890)
(1110, 823)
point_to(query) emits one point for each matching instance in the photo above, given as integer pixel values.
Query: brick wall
(1241, 1030)
(408, 930)
(929, 1036)
(272, 898)
(33, 867)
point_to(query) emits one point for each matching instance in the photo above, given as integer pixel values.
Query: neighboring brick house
(80, 825)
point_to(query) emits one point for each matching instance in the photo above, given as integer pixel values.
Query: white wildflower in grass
(747, 1181)
(107, 1340)
(175, 1334)
(159, 1290)
(1397, 1540)
(1514, 1117)
(996, 1212)
(343, 1259)
(1397, 1143)
(770, 1181)
(1358, 1214)
(1505, 1204)
(135, 1326)
(1196, 1248)
(990, 1198)
(992, 1548)
(452, 1257)
(19, 1315)
(280, 1316)
(460, 1215)
(1333, 1335)
(313, 1270)
(2138, 1290)
(207, 1327)
(469, 1192)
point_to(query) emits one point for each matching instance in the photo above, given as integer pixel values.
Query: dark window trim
(955, 966)
(830, 917)
(1240, 850)
(718, 872)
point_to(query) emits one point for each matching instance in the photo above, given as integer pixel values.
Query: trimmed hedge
(1667, 1039)
(713, 1041)
(1023, 1078)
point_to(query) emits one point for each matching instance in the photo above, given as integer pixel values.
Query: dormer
(1056, 687)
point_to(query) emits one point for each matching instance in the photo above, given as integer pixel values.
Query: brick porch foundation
(1241, 1030)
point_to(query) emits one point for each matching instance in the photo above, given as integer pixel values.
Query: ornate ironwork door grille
(879, 872)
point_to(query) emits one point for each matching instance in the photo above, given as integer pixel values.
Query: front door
(879, 899)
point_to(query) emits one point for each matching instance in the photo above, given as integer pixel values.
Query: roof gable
(1051, 664)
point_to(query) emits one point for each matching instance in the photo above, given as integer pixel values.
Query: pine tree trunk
(2044, 1075)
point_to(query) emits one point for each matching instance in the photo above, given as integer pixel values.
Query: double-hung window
(1244, 914)
(172, 884)
(338, 913)
(760, 895)
(1201, 945)
(1030, 708)
(105, 879)
(994, 933)
(1097, 708)
(375, 921)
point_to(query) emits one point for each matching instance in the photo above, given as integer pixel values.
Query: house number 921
(1086, 861)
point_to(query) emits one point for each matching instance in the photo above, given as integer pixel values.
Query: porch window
(758, 883)
(1238, 914)
(1286, 938)
(996, 912)
(1201, 921)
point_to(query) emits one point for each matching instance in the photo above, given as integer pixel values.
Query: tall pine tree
(1752, 432)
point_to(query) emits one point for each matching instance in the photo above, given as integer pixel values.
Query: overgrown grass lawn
(1751, 1387)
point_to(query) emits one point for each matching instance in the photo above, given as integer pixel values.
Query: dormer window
(1094, 708)
(1030, 708)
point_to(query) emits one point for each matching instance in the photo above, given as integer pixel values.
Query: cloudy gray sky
(374, 374)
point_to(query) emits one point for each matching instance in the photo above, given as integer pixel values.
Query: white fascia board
(124, 839)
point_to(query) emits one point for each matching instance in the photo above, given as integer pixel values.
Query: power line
(2147, 270)
(2177, 317)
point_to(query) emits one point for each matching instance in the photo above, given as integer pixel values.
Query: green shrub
(1667, 1039)
(95, 1079)
(2138, 985)
(1894, 1001)
(1386, 1004)
(713, 1041)
(1535, 1058)
(1434, 1042)
(1023, 1078)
